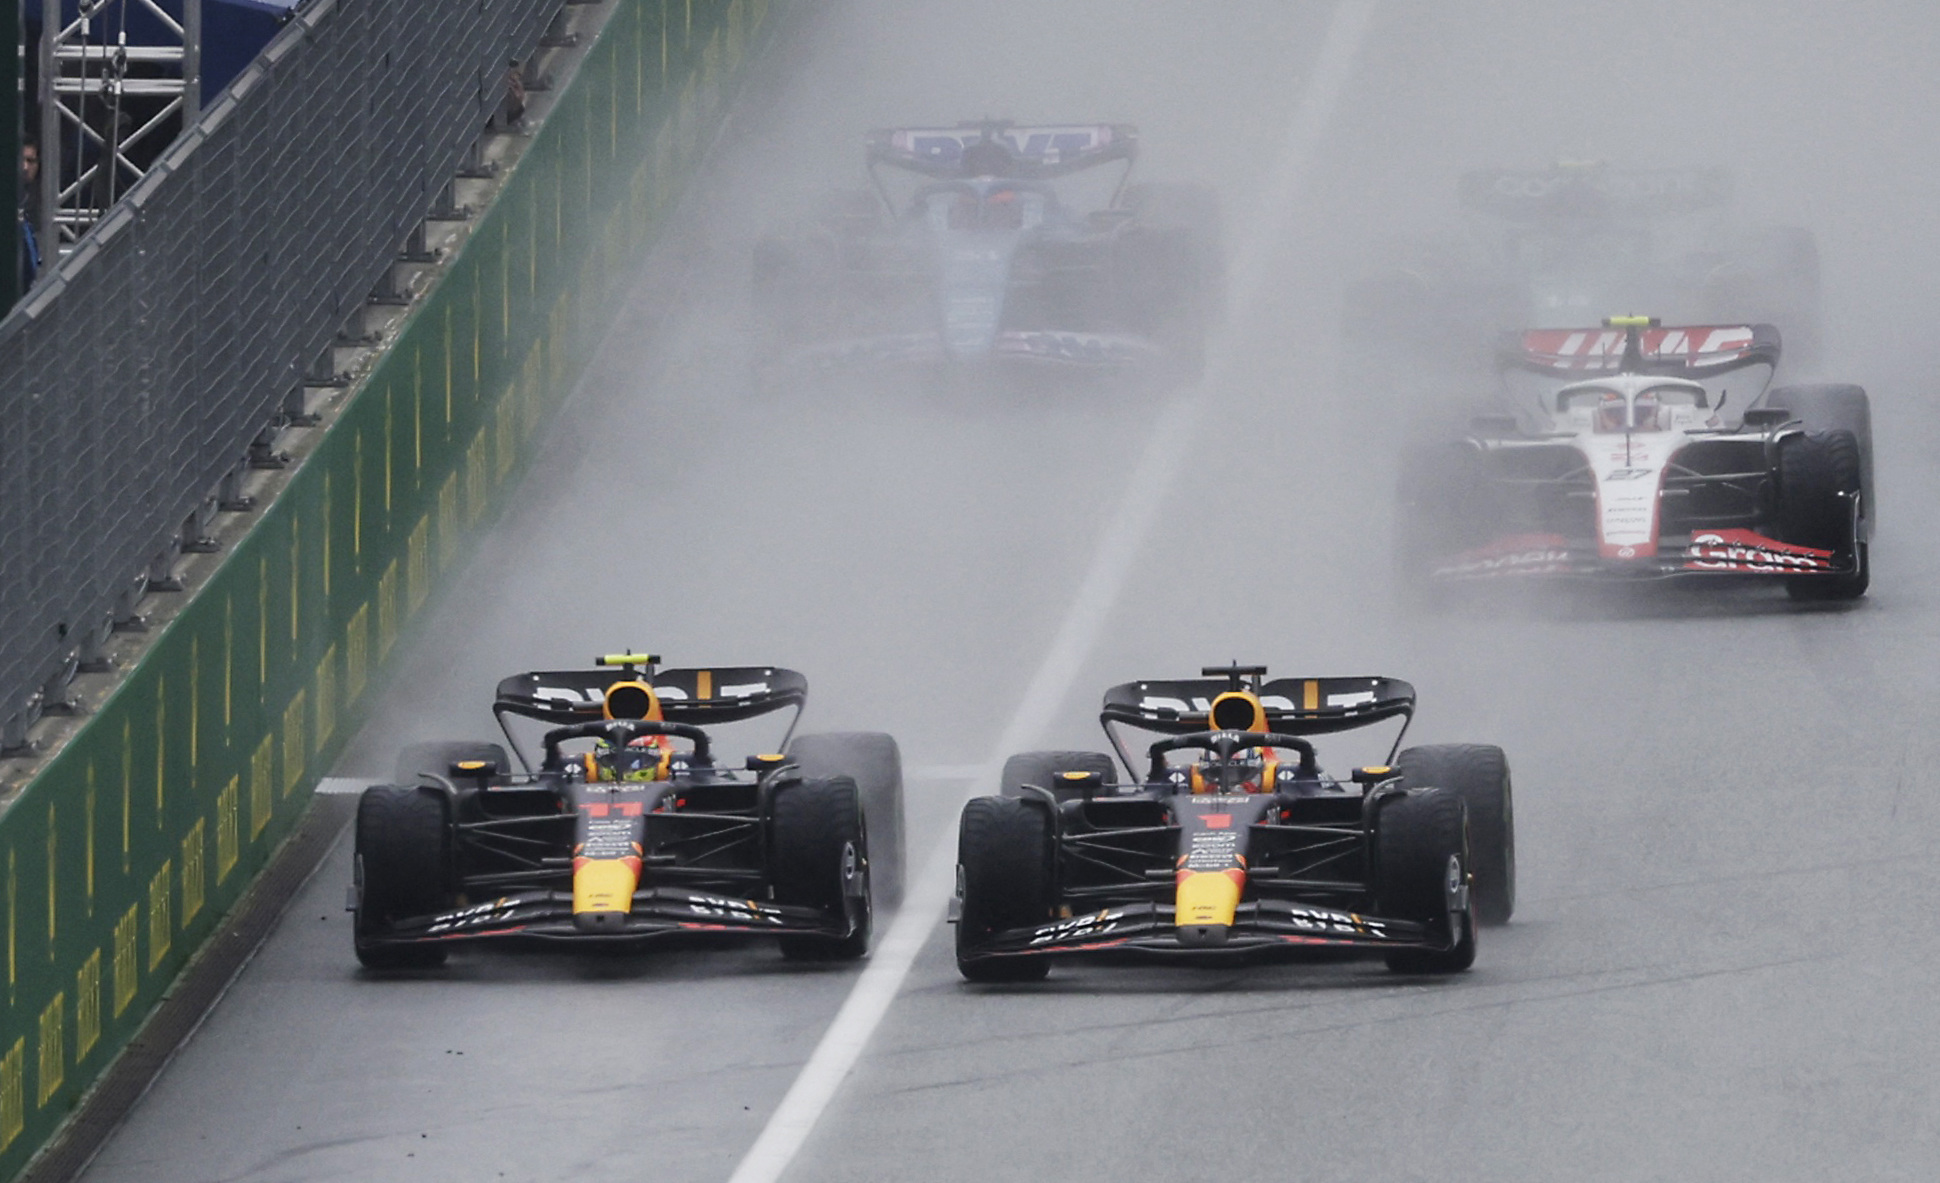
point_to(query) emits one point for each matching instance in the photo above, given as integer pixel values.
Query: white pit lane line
(890, 962)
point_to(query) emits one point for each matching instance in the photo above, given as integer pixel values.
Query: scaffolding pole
(108, 108)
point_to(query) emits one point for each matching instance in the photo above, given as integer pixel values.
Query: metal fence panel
(121, 857)
(137, 374)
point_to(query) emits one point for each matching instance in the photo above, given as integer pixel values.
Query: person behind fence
(512, 108)
(29, 213)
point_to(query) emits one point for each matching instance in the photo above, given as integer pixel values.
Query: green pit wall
(122, 856)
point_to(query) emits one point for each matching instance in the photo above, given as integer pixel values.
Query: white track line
(889, 964)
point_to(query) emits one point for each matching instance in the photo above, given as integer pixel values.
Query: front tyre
(1479, 775)
(1004, 873)
(873, 761)
(1820, 476)
(818, 847)
(1422, 858)
(401, 860)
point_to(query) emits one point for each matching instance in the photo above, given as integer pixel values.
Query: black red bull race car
(1228, 841)
(1639, 451)
(626, 827)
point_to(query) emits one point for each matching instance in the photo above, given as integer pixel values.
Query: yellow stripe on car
(1207, 897)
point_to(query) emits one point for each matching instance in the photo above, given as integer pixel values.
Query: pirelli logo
(531, 382)
(295, 739)
(477, 475)
(194, 871)
(357, 653)
(127, 958)
(386, 612)
(448, 520)
(228, 848)
(508, 410)
(262, 785)
(13, 1092)
(327, 695)
(87, 1006)
(53, 1051)
(161, 924)
(417, 565)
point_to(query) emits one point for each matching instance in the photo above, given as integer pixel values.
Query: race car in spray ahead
(990, 244)
(1230, 842)
(1620, 454)
(1556, 247)
(625, 829)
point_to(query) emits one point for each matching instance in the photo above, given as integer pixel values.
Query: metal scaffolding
(108, 108)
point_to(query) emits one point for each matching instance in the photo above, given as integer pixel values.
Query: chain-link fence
(135, 377)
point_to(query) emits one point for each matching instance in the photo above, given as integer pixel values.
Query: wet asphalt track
(1722, 962)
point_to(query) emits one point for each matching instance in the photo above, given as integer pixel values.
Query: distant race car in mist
(1636, 451)
(1230, 842)
(1557, 247)
(990, 244)
(626, 829)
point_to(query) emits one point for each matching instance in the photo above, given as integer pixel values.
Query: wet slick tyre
(438, 757)
(1839, 406)
(873, 761)
(1004, 875)
(817, 845)
(1818, 474)
(401, 862)
(1046, 769)
(1479, 775)
(1421, 843)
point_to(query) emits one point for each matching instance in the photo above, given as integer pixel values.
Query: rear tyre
(1479, 775)
(1004, 874)
(1193, 209)
(438, 756)
(1421, 846)
(1173, 257)
(401, 860)
(817, 844)
(1772, 274)
(1819, 474)
(1440, 511)
(1046, 769)
(873, 761)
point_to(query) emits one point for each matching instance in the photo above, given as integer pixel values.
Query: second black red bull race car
(1640, 451)
(1228, 841)
(626, 828)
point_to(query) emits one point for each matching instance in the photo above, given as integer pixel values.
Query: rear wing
(1294, 706)
(1592, 191)
(1690, 351)
(1036, 152)
(719, 694)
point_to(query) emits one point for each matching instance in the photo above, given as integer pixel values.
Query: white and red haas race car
(1638, 451)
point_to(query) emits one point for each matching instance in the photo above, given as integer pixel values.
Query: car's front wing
(1733, 552)
(1261, 927)
(656, 912)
